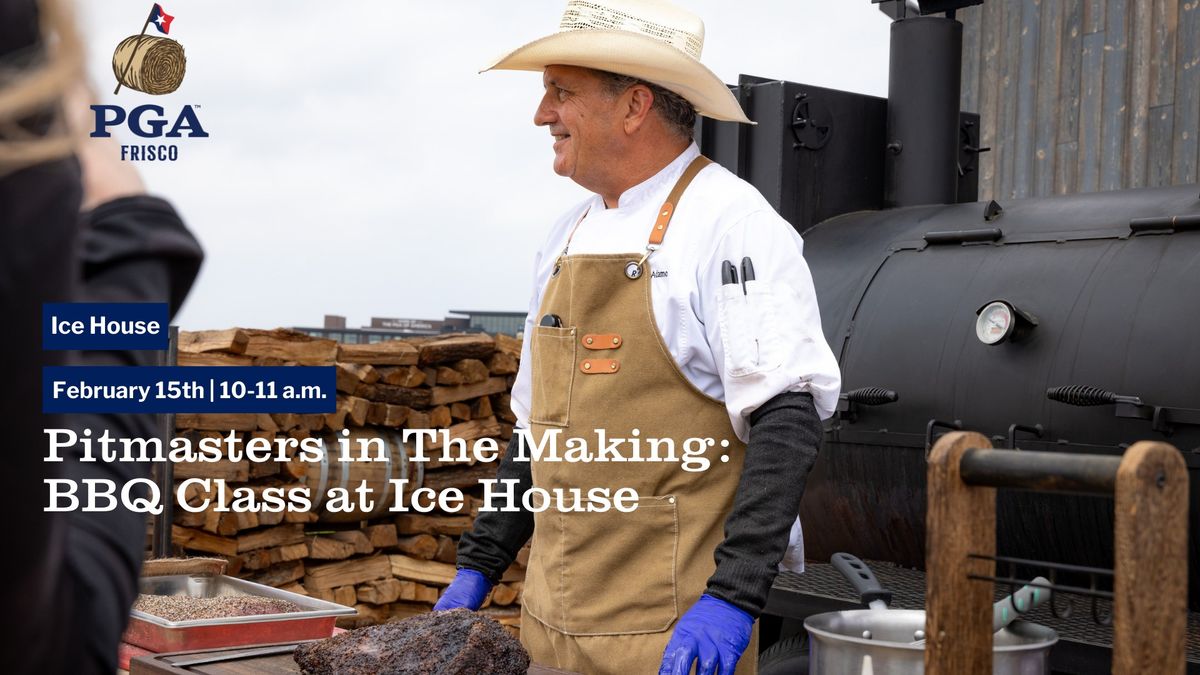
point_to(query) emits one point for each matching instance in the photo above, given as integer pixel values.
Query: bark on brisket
(456, 642)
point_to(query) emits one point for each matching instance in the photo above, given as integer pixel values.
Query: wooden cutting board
(242, 661)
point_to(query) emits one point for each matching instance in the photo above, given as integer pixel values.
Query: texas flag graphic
(161, 19)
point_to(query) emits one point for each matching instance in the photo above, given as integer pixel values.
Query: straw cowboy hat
(651, 40)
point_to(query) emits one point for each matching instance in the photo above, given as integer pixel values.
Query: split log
(299, 516)
(460, 411)
(417, 419)
(440, 417)
(472, 370)
(402, 376)
(388, 353)
(355, 407)
(462, 477)
(197, 540)
(481, 408)
(348, 572)
(387, 591)
(508, 345)
(503, 407)
(266, 423)
(412, 523)
(286, 421)
(424, 571)
(255, 560)
(502, 363)
(288, 553)
(270, 517)
(356, 538)
(325, 548)
(345, 595)
(347, 378)
(462, 392)
(290, 345)
(232, 472)
(232, 340)
(423, 546)
(217, 421)
(477, 346)
(213, 359)
(448, 376)
(447, 550)
(387, 415)
(161, 567)
(466, 431)
(427, 594)
(504, 594)
(414, 397)
(381, 536)
(281, 535)
(280, 574)
(294, 587)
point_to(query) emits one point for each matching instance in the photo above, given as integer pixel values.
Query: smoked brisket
(455, 642)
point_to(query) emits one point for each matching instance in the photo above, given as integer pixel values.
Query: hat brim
(626, 53)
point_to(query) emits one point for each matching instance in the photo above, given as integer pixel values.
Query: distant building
(380, 329)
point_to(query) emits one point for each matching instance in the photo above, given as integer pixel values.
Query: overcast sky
(358, 164)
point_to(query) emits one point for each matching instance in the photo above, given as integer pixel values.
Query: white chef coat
(739, 346)
(742, 349)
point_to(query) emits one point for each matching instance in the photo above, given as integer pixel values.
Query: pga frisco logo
(148, 121)
(153, 65)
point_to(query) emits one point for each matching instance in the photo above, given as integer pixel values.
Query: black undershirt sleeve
(785, 434)
(497, 536)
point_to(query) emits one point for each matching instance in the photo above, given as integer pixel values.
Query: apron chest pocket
(553, 354)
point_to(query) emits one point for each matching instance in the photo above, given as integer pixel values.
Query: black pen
(728, 273)
(747, 272)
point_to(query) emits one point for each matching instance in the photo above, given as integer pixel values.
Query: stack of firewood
(383, 564)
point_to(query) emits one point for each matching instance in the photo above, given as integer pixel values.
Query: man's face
(584, 121)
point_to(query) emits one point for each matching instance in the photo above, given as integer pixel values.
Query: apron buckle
(633, 270)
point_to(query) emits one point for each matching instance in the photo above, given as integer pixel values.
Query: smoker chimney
(924, 82)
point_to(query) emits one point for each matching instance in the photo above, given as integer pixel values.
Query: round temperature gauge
(995, 323)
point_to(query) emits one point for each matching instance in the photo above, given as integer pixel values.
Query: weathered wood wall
(1083, 95)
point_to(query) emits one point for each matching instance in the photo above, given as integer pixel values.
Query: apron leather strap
(668, 207)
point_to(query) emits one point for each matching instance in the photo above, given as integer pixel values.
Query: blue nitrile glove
(713, 631)
(468, 589)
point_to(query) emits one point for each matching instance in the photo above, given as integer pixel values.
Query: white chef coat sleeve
(521, 396)
(522, 389)
(765, 336)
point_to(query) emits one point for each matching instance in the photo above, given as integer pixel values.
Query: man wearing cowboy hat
(641, 326)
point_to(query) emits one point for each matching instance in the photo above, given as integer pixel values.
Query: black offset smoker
(1062, 324)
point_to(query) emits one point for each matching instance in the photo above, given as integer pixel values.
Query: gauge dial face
(995, 323)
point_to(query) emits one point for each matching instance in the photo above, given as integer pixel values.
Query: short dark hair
(676, 111)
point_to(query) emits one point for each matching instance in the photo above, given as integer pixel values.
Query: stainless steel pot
(882, 641)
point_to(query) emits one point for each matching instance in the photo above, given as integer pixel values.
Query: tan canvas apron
(603, 590)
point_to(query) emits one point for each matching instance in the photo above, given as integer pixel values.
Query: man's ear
(639, 102)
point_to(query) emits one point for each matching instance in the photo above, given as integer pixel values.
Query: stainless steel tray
(315, 620)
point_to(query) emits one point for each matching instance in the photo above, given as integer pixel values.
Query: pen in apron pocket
(728, 273)
(747, 272)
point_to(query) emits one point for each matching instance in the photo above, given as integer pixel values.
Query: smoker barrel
(1104, 302)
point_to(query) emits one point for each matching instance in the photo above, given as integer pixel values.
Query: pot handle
(862, 579)
(1024, 600)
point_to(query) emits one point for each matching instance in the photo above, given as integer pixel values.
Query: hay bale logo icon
(148, 63)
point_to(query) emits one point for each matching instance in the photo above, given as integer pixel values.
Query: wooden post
(1151, 559)
(960, 519)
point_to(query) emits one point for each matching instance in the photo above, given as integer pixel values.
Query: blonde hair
(24, 91)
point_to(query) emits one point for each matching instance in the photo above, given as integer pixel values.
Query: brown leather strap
(668, 207)
(599, 366)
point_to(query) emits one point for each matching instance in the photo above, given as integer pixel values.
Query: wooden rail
(1150, 484)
